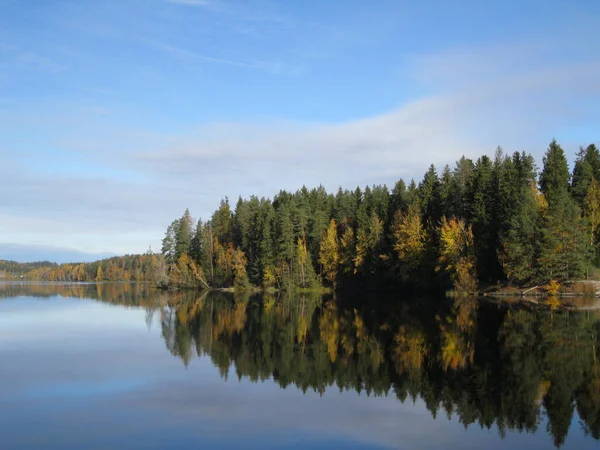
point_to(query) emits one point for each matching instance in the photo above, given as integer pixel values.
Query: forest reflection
(480, 362)
(485, 364)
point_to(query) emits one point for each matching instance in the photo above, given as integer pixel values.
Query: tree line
(479, 223)
(143, 268)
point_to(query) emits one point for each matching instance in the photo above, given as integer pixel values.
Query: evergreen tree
(183, 234)
(196, 243)
(591, 208)
(586, 169)
(461, 175)
(481, 201)
(169, 243)
(222, 221)
(520, 241)
(583, 174)
(564, 251)
(398, 200)
(554, 179)
(446, 193)
(429, 197)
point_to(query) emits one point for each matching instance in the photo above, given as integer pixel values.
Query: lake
(101, 366)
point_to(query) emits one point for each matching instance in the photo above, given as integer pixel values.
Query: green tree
(554, 179)
(222, 222)
(196, 249)
(520, 241)
(183, 234)
(481, 203)
(169, 243)
(564, 251)
(591, 209)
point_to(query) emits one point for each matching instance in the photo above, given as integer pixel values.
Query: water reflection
(482, 363)
(485, 364)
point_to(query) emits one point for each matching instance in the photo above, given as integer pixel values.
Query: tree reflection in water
(483, 363)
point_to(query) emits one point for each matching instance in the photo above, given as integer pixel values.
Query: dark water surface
(124, 366)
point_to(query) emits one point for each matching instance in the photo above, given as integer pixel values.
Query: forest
(143, 268)
(492, 221)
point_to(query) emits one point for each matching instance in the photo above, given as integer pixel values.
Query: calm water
(123, 366)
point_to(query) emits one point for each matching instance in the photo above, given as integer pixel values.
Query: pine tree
(582, 176)
(169, 243)
(461, 175)
(446, 191)
(591, 209)
(183, 234)
(564, 251)
(196, 249)
(221, 222)
(481, 201)
(429, 196)
(520, 241)
(554, 179)
(586, 169)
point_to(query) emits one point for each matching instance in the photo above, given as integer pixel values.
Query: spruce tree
(554, 179)
(183, 234)
(519, 243)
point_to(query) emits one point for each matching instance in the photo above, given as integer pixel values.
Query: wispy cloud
(190, 56)
(191, 2)
(36, 61)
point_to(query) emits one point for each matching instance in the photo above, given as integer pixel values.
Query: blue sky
(117, 115)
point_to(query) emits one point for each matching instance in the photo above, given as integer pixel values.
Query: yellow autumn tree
(329, 255)
(303, 261)
(231, 263)
(329, 328)
(346, 249)
(457, 351)
(457, 255)
(409, 239)
(99, 273)
(409, 350)
(238, 263)
(186, 273)
(592, 208)
(269, 279)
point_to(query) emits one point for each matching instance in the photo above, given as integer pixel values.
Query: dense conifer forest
(493, 220)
